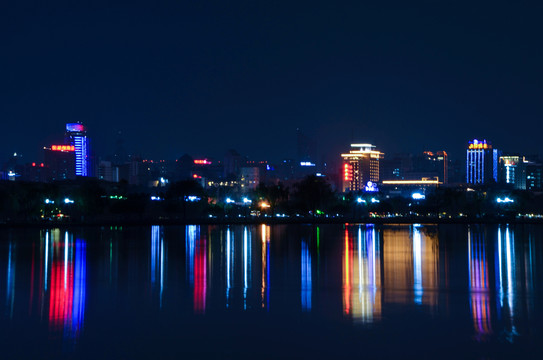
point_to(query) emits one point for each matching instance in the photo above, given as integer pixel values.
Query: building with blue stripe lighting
(76, 135)
(481, 163)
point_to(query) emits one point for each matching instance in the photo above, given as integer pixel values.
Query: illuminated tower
(360, 166)
(481, 163)
(76, 135)
(513, 171)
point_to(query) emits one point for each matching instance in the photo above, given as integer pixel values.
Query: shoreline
(267, 221)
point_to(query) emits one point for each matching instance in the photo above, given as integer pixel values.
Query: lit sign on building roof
(63, 148)
(75, 127)
(202, 162)
(423, 181)
(476, 144)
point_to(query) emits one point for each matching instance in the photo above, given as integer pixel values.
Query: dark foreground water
(282, 291)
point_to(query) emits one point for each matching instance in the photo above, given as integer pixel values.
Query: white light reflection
(417, 265)
(246, 265)
(66, 245)
(508, 278)
(191, 234)
(229, 264)
(368, 281)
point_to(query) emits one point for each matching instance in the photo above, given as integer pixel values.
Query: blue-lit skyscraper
(481, 163)
(76, 135)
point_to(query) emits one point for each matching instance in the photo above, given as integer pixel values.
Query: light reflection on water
(479, 284)
(361, 274)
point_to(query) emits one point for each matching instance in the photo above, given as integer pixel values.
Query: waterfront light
(68, 201)
(229, 201)
(418, 196)
(505, 200)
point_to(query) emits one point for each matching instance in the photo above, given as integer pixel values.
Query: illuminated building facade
(76, 136)
(360, 165)
(513, 171)
(481, 163)
(534, 172)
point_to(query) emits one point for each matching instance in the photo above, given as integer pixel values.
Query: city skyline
(361, 169)
(308, 153)
(192, 78)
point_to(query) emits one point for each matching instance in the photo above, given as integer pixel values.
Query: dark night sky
(201, 77)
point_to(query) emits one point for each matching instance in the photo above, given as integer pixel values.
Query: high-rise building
(434, 164)
(396, 167)
(76, 136)
(534, 175)
(360, 166)
(513, 171)
(481, 163)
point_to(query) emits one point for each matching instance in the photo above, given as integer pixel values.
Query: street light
(418, 196)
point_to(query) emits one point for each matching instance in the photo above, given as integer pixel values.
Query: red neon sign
(348, 172)
(63, 148)
(202, 162)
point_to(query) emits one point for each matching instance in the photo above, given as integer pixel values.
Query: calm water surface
(282, 291)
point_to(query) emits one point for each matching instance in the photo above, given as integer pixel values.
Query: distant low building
(60, 160)
(250, 177)
(409, 187)
(105, 171)
(534, 176)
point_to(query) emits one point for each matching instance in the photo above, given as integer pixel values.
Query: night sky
(200, 77)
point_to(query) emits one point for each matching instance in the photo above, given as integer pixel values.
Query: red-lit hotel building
(360, 166)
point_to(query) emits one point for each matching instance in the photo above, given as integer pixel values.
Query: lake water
(267, 292)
